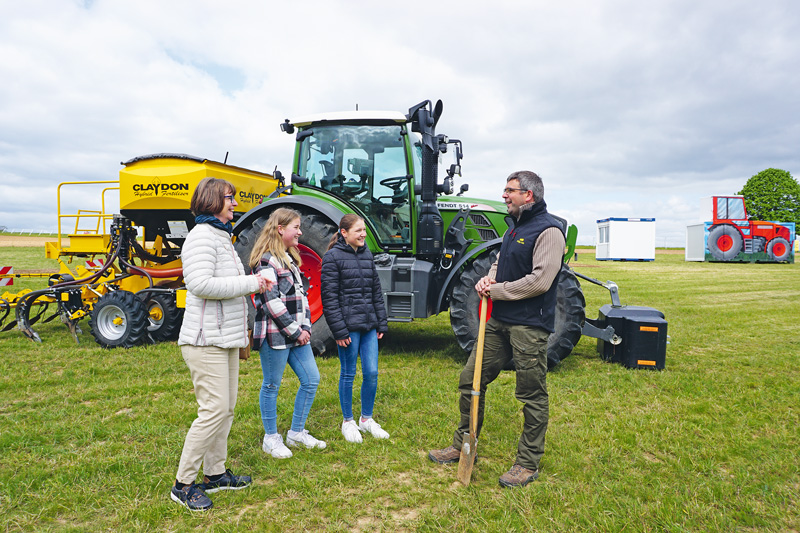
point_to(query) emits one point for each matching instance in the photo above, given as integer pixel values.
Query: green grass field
(90, 438)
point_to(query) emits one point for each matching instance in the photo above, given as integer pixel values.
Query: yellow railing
(96, 233)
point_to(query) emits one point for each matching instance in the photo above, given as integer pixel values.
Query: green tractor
(430, 247)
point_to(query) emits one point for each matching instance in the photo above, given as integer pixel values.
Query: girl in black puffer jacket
(353, 306)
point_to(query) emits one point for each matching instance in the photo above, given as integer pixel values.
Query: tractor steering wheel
(394, 182)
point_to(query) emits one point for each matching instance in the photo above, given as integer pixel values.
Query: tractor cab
(730, 209)
(367, 162)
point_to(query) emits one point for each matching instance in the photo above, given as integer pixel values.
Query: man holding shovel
(522, 284)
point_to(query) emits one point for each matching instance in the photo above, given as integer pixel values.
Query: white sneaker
(372, 427)
(273, 445)
(351, 432)
(296, 438)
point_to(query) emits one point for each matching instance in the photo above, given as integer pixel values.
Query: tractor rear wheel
(118, 318)
(570, 310)
(317, 232)
(724, 242)
(779, 249)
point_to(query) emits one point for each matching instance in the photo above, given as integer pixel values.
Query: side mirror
(464, 188)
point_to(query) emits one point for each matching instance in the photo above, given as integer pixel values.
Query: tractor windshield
(367, 166)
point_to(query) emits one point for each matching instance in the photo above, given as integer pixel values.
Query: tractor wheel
(164, 317)
(317, 232)
(779, 249)
(465, 302)
(724, 242)
(570, 310)
(118, 318)
(570, 316)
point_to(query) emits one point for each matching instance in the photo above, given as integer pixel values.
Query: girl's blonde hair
(270, 240)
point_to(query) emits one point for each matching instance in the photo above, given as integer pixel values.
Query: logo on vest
(521, 240)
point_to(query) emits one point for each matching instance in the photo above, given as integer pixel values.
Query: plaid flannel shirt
(282, 313)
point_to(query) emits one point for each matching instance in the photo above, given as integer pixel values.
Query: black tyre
(164, 317)
(570, 316)
(317, 232)
(119, 318)
(724, 242)
(465, 302)
(779, 249)
(570, 310)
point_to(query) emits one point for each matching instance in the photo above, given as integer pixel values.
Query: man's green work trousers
(527, 346)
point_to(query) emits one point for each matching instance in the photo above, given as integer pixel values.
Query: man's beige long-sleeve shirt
(547, 254)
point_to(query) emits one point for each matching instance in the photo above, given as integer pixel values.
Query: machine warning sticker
(177, 229)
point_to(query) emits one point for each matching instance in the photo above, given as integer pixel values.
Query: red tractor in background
(732, 232)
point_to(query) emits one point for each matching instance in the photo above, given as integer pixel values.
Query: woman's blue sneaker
(192, 497)
(226, 481)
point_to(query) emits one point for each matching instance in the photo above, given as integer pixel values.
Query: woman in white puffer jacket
(214, 328)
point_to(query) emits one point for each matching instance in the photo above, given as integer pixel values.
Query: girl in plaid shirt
(282, 331)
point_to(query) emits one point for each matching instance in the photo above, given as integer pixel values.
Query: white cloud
(625, 108)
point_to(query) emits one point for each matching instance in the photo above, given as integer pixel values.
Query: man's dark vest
(516, 261)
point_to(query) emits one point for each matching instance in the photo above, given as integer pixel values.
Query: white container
(626, 239)
(695, 242)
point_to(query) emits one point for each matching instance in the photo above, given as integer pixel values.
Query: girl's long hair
(347, 222)
(270, 240)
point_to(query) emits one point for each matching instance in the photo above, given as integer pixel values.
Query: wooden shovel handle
(476, 378)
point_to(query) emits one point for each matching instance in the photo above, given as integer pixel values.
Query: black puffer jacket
(351, 291)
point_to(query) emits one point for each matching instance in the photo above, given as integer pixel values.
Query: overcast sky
(625, 108)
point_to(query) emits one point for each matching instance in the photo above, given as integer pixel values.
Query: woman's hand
(263, 284)
(344, 343)
(304, 338)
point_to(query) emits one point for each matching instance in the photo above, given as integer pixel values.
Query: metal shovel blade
(467, 460)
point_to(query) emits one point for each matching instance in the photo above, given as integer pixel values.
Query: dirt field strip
(22, 241)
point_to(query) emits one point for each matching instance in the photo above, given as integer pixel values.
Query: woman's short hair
(209, 196)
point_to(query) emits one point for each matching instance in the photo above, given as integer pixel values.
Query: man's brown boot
(446, 456)
(518, 476)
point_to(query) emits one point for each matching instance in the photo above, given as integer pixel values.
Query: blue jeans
(366, 344)
(273, 363)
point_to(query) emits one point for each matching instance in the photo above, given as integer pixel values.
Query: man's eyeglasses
(228, 197)
(509, 190)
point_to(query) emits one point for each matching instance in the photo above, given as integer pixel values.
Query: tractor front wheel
(779, 249)
(118, 318)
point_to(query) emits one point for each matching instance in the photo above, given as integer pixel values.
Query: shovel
(469, 445)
